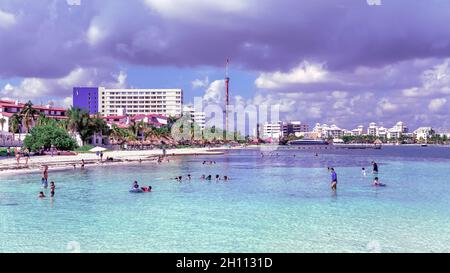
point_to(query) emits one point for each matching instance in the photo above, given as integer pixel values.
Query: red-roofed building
(9, 107)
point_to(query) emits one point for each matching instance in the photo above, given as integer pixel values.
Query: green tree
(46, 136)
(2, 122)
(28, 114)
(14, 124)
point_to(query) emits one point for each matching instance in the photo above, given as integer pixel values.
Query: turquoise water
(272, 204)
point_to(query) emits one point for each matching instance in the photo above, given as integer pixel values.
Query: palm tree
(2, 122)
(28, 114)
(14, 124)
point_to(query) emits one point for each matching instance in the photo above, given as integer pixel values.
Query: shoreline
(8, 166)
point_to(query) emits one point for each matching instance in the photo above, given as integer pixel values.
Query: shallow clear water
(272, 204)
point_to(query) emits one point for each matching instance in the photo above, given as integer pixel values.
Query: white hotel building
(113, 102)
(140, 101)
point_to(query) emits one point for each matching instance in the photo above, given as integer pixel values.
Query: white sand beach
(9, 165)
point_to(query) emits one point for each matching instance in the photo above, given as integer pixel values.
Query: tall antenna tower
(227, 98)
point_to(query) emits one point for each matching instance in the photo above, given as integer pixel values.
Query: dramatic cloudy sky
(342, 61)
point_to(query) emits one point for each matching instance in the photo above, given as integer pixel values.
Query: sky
(343, 62)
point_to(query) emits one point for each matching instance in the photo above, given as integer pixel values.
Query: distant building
(382, 132)
(423, 133)
(294, 128)
(86, 98)
(372, 130)
(272, 130)
(359, 131)
(398, 130)
(110, 102)
(325, 131)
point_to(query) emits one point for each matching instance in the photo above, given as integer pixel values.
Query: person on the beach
(333, 179)
(82, 164)
(17, 155)
(101, 156)
(74, 166)
(41, 194)
(52, 189)
(135, 185)
(26, 154)
(374, 167)
(8, 152)
(363, 171)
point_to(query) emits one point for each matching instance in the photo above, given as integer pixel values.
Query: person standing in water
(44, 179)
(363, 171)
(52, 189)
(374, 167)
(333, 179)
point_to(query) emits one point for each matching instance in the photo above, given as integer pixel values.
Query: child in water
(41, 194)
(376, 182)
(363, 171)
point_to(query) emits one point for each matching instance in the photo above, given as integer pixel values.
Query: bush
(46, 136)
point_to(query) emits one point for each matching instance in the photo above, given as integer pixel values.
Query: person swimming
(209, 177)
(202, 177)
(377, 183)
(225, 178)
(41, 194)
(135, 185)
(147, 189)
(333, 180)
(217, 177)
(189, 177)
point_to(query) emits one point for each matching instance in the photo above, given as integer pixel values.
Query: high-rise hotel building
(111, 102)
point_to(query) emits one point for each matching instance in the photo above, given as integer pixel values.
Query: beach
(9, 165)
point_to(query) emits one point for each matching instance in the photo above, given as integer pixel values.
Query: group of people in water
(44, 183)
(376, 181)
(137, 188)
(203, 177)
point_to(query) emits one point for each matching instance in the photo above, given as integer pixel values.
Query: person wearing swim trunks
(333, 179)
(52, 189)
